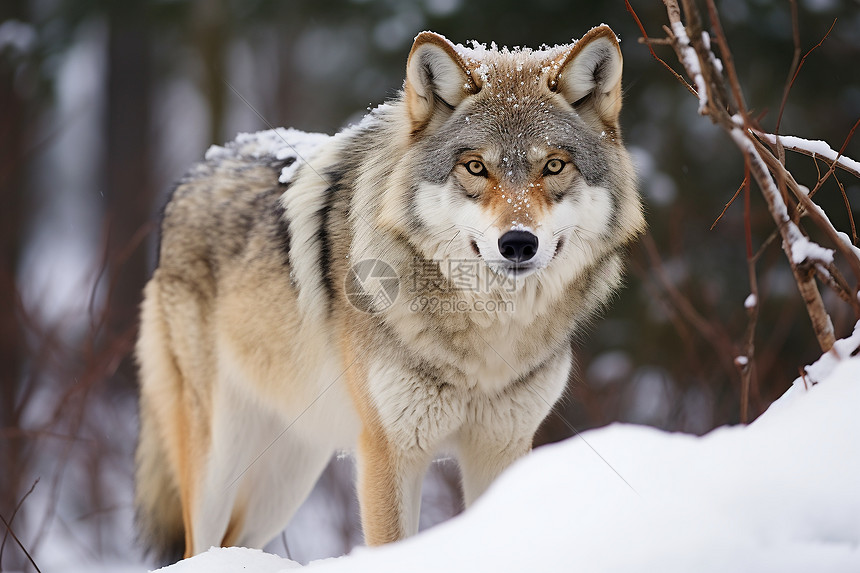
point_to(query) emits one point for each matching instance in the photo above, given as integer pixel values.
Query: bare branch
(729, 204)
(12, 519)
(728, 61)
(648, 41)
(21, 545)
(848, 209)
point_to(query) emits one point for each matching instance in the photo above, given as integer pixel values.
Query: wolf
(309, 295)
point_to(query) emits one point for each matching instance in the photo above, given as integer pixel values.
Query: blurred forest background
(104, 103)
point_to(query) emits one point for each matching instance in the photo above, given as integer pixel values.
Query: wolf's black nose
(518, 246)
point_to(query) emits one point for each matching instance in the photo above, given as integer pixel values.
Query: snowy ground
(781, 495)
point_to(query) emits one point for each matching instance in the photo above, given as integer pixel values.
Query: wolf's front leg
(389, 488)
(485, 454)
(500, 429)
(406, 417)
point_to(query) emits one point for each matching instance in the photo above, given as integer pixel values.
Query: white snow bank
(233, 560)
(780, 495)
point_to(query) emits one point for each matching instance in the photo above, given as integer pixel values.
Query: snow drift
(781, 495)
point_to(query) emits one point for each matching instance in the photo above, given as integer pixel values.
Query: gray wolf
(308, 295)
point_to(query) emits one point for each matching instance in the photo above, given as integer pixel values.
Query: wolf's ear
(589, 76)
(436, 79)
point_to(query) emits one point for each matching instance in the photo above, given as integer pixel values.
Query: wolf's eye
(476, 168)
(553, 166)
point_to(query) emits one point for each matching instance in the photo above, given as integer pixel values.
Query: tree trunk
(211, 31)
(128, 192)
(13, 215)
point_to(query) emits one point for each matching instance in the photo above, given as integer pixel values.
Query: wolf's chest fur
(411, 283)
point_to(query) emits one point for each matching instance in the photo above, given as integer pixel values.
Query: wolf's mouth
(517, 271)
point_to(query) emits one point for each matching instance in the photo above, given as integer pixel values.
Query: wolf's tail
(157, 503)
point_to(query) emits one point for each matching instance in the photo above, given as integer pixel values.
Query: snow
(814, 146)
(838, 355)
(775, 202)
(717, 63)
(778, 495)
(483, 59)
(800, 246)
(691, 63)
(232, 559)
(803, 249)
(280, 144)
(847, 241)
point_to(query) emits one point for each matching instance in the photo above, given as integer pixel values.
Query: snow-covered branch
(691, 64)
(798, 248)
(814, 148)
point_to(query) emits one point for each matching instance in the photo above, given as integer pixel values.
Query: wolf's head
(515, 156)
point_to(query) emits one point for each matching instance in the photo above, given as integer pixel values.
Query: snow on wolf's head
(518, 154)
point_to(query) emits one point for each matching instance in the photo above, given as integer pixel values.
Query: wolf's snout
(518, 246)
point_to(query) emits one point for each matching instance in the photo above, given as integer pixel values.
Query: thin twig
(729, 204)
(12, 519)
(747, 212)
(789, 83)
(836, 161)
(658, 42)
(792, 70)
(648, 41)
(21, 545)
(747, 366)
(806, 55)
(728, 60)
(718, 340)
(847, 209)
(765, 244)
